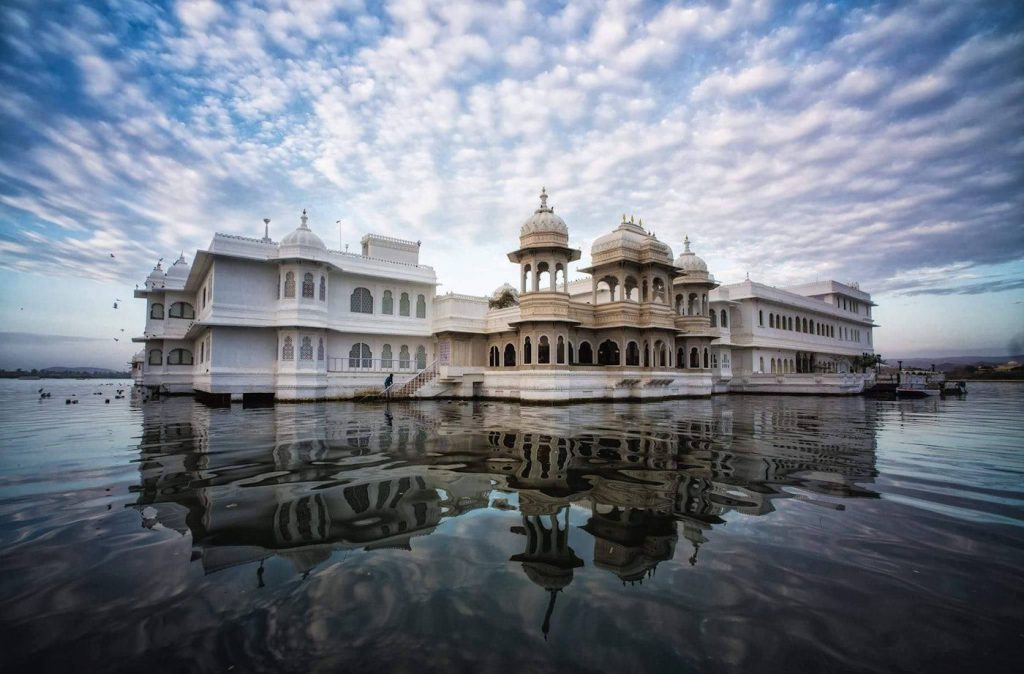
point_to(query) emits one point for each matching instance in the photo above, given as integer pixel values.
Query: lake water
(731, 534)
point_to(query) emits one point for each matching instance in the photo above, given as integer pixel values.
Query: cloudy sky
(873, 142)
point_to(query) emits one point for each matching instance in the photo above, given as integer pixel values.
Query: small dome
(156, 277)
(303, 236)
(544, 219)
(180, 268)
(504, 288)
(688, 261)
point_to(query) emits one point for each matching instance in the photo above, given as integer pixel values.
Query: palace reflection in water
(302, 482)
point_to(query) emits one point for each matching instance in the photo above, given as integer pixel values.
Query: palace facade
(293, 320)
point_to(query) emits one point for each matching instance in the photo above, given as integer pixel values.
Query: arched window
(289, 284)
(760, 318)
(202, 352)
(421, 357)
(542, 279)
(608, 353)
(403, 305)
(572, 354)
(662, 353)
(773, 366)
(560, 350)
(306, 349)
(359, 355)
(805, 326)
(181, 310)
(543, 350)
(681, 357)
(204, 297)
(387, 305)
(791, 323)
(527, 352)
(492, 358)
(320, 350)
(510, 355)
(707, 362)
(586, 354)
(156, 312)
(725, 319)
(156, 357)
(288, 350)
(179, 357)
(761, 370)
(323, 288)
(714, 319)
(386, 359)
(771, 320)
(403, 357)
(361, 301)
(694, 357)
(632, 354)
(307, 286)
(421, 306)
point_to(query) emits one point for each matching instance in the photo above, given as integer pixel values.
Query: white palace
(293, 320)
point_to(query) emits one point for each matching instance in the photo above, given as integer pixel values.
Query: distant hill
(946, 363)
(90, 370)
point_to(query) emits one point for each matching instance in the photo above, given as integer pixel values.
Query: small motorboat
(954, 388)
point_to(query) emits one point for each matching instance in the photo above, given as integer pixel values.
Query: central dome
(631, 236)
(180, 268)
(544, 220)
(303, 236)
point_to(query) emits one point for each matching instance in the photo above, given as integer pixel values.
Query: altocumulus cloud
(876, 142)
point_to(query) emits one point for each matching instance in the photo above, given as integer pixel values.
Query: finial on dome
(623, 218)
(640, 221)
(543, 200)
(686, 244)
(304, 219)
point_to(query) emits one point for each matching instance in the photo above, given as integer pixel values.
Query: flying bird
(111, 255)
(115, 305)
(116, 339)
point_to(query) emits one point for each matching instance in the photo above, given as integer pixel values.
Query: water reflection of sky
(710, 534)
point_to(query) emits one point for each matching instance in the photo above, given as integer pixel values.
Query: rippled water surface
(738, 533)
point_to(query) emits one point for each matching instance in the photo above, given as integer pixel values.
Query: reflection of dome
(688, 261)
(548, 576)
(544, 220)
(303, 236)
(631, 236)
(180, 269)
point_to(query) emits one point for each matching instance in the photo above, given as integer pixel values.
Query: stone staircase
(409, 388)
